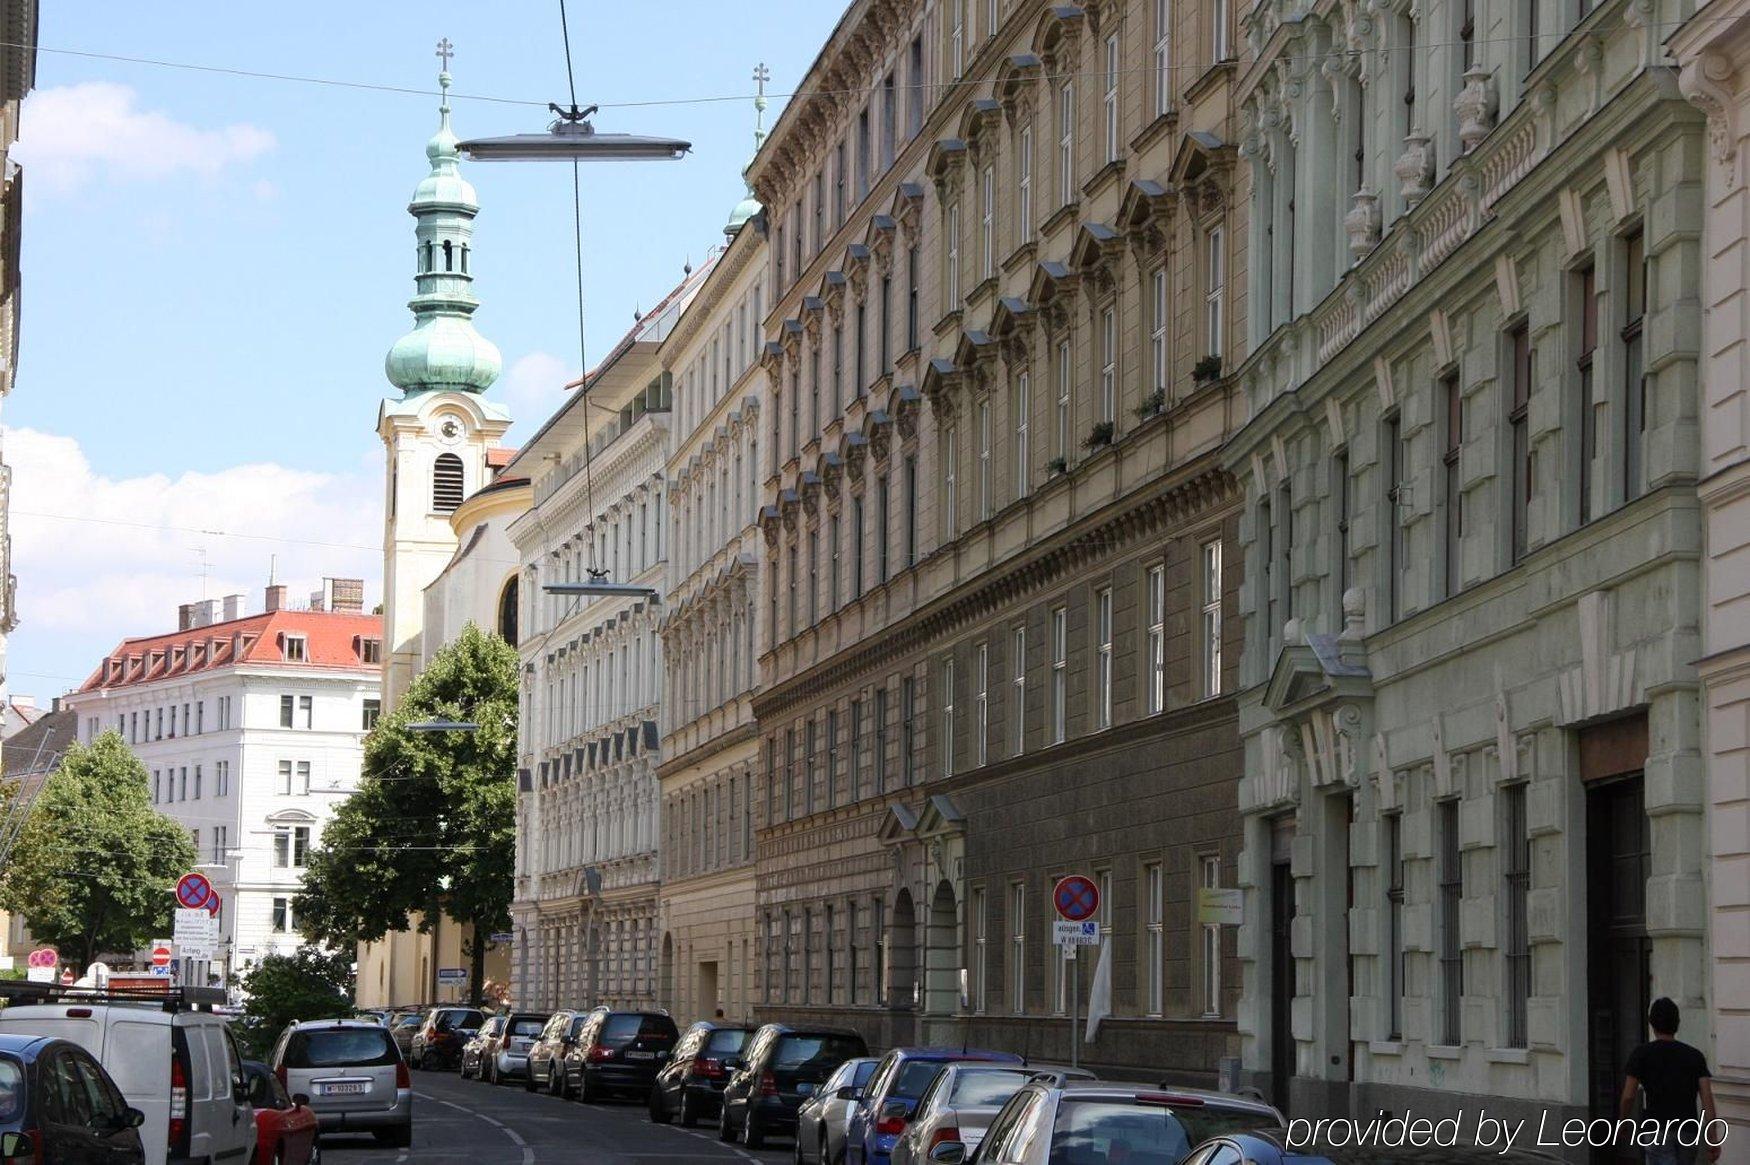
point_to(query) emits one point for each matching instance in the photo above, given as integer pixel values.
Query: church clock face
(449, 430)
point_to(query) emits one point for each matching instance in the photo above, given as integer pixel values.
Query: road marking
(516, 1138)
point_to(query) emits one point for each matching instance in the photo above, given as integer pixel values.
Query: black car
(1273, 1147)
(782, 1068)
(619, 1051)
(690, 1086)
(439, 1041)
(58, 1104)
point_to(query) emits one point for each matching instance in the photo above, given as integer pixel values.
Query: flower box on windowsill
(1208, 368)
(1100, 435)
(1152, 406)
(1057, 466)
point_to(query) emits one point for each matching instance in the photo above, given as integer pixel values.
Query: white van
(171, 1056)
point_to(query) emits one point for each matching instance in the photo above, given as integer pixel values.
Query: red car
(285, 1128)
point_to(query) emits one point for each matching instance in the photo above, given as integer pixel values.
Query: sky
(214, 266)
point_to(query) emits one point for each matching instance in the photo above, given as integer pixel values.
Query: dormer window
(370, 650)
(295, 649)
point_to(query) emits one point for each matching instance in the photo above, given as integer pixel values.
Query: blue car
(890, 1099)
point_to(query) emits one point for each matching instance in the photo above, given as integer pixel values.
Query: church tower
(439, 433)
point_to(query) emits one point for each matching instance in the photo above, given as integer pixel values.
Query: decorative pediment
(1317, 670)
(1009, 324)
(832, 293)
(907, 402)
(898, 825)
(790, 336)
(946, 155)
(1145, 212)
(908, 207)
(942, 377)
(980, 118)
(809, 484)
(772, 356)
(1200, 171)
(1051, 279)
(853, 448)
(813, 311)
(832, 472)
(856, 268)
(941, 818)
(1096, 247)
(879, 424)
(879, 239)
(1014, 79)
(1056, 31)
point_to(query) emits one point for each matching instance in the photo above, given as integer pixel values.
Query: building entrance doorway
(1619, 953)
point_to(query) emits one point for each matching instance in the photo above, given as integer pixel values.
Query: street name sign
(452, 974)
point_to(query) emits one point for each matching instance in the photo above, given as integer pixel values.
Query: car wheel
(689, 1111)
(586, 1092)
(725, 1132)
(529, 1079)
(798, 1155)
(752, 1136)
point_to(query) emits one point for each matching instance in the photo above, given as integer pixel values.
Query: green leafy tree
(309, 983)
(432, 828)
(95, 867)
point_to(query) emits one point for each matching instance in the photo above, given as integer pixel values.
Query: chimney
(344, 594)
(201, 614)
(317, 602)
(276, 597)
(185, 617)
(233, 607)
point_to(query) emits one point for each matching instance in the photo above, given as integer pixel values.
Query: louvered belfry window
(446, 483)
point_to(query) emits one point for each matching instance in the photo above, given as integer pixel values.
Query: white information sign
(1075, 934)
(196, 934)
(1220, 906)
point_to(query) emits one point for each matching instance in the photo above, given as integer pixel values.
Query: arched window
(446, 483)
(507, 611)
(425, 257)
(449, 256)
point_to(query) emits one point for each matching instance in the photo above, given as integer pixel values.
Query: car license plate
(640, 1055)
(348, 1089)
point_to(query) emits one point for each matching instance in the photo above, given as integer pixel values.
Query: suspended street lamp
(572, 136)
(602, 588)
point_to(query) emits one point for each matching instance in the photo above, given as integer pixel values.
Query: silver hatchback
(354, 1075)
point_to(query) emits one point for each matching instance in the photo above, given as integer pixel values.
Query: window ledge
(1385, 1047)
(1160, 126)
(1508, 1055)
(1103, 177)
(1444, 1052)
(1063, 214)
(947, 323)
(1208, 79)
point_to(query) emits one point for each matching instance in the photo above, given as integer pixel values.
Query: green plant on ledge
(1208, 368)
(1100, 435)
(1057, 465)
(1153, 405)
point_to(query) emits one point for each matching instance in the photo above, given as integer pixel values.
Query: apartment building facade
(252, 728)
(584, 906)
(1000, 579)
(1473, 805)
(711, 641)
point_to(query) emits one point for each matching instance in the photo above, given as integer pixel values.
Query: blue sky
(215, 265)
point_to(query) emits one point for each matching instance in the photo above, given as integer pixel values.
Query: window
(980, 925)
(1284, 572)
(1109, 365)
(1210, 873)
(952, 276)
(1215, 291)
(1587, 280)
(1103, 658)
(1340, 490)
(1018, 694)
(1111, 99)
(819, 208)
(296, 651)
(1157, 335)
(914, 114)
(908, 707)
(911, 298)
(981, 717)
(1154, 929)
(948, 717)
(984, 491)
(373, 711)
(950, 485)
(1634, 379)
(1018, 948)
(446, 483)
(1059, 673)
(882, 521)
(1157, 638)
(1064, 374)
(832, 554)
(291, 847)
(889, 120)
(910, 468)
(1211, 618)
(222, 778)
(1163, 58)
(854, 778)
(1516, 844)
(282, 916)
(808, 759)
(987, 223)
(1519, 427)
(856, 547)
(197, 782)
(1393, 456)
(1453, 520)
(1218, 19)
(306, 711)
(864, 158)
(294, 778)
(881, 739)
(790, 774)
(1451, 893)
(221, 844)
(838, 185)
(832, 757)
(1066, 143)
(1024, 185)
(287, 706)
(1394, 946)
(957, 41)
(1020, 408)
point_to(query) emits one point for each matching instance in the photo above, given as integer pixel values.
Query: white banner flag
(1100, 997)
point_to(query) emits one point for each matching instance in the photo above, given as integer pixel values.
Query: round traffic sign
(160, 956)
(193, 891)
(1077, 898)
(43, 957)
(214, 905)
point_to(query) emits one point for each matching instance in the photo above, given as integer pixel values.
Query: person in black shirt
(1671, 1074)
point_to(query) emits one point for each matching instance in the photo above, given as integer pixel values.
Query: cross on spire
(445, 50)
(761, 74)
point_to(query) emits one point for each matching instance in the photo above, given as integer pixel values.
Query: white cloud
(532, 388)
(86, 584)
(72, 133)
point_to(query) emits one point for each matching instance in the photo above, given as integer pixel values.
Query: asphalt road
(458, 1120)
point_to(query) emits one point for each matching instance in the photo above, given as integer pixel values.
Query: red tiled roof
(499, 456)
(332, 639)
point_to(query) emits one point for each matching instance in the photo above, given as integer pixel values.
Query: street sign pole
(1075, 1002)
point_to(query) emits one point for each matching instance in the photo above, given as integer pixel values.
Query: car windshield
(1104, 1132)
(807, 1051)
(11, 1089)
(465, 1018)
(726, 1041)
(623, 1029)
(528, 1025)
(350, 1046)
(989, 1087)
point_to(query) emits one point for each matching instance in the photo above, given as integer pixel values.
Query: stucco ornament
(1362, 223)
(1415, 167)
(1476, 106)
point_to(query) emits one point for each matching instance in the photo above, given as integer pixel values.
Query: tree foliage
(306, 984)
(95, 868)
(432, 827)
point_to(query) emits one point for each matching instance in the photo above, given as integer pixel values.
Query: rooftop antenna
(205, 570)
(272, 565)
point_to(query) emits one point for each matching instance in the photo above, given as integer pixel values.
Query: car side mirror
(948, 1153)
(134, 1118)
(241, 1093)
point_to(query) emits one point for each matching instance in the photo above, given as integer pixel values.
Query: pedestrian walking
(1672, 1075)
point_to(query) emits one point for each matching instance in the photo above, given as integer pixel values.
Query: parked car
(820, 1122)
(402, 1029)
(960, 1102)
(690, 1084)
(285, 1128)
(172, 1057)
(474, 1052)
(354, 1075)
(782, 1067)
(438, 1042)
(618, 1052)
(1083, 1122)
(507, 1055)
(58, 1104)
(884, 1108)
(1270, 1147)
(545, 1066)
